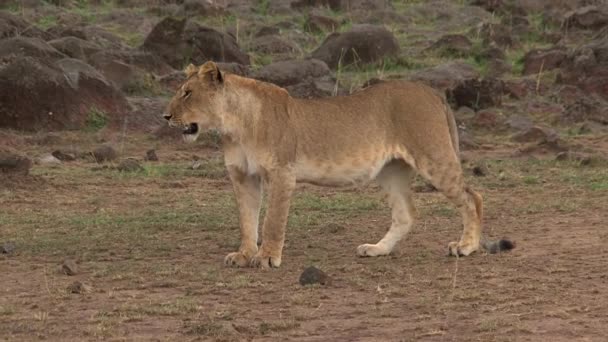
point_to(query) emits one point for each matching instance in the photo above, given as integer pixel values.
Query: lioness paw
(369, 250)
(236, 259)
(461, 249)
(264, 260)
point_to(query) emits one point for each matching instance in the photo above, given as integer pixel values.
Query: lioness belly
(347, 172)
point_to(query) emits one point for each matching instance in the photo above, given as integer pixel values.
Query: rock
(519, 123)
(13, 163)
(587, 17)
(69, 267)
(268, 31)
(539, 60)
(316, 23)
(518, 88)
(68, 93)
(481, 169)
(151, 155)
(478, 93)
(78, 287)
(140, 59)
(31, 47)
(494, 34)
(272, 45)
(591, 127)
(129, 165)
(587, 68)
(292, 72)
(536, 134)
(75, 47)
(313, 275)
(344, 5)
(204, 8)
(452, 45)
(13, 26)
(48, 159)
(487, 118)
(63, 156)
(586, 108)
(104, 153)
(315, 88)
(362, 44)
(179, 42)
(7, 248)
(446, 76)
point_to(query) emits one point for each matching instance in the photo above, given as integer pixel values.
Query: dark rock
(314, 88)
(69, 267)
(67, 91)
(313, 275)
(453, 45)
(362, 44)
(78, 287)
(204, 8)
(539, 60)
(292, 72)
(129, 165)
(344, 5)
(268, 31)
(495, 34)
(63, 156)
(31, 47)
(446, 76)
(179, 42)
(12, 162)
(13, 26)
(272, 45)
(316, 23)
(586, 108)
(7, 248)
(104, 153)
(588, 17)
(481, 169)
(536, 134)
(519, 123)
(478, 93)
(487, 118)
(151, 155)
(75, 47)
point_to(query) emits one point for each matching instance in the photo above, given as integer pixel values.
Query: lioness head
(196, 104)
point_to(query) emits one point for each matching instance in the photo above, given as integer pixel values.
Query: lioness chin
(388, 132)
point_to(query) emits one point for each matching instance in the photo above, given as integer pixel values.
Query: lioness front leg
(282, 183)
(248, 193)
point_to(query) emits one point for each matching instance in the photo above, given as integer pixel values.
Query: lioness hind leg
(395, 178)
(447, 177)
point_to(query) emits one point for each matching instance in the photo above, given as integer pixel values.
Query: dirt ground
(149, 248)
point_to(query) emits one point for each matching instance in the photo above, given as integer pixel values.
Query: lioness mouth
(191, 129)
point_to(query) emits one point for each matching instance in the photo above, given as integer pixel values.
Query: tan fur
(387, 133)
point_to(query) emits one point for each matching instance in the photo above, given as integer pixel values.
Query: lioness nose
(167, 116)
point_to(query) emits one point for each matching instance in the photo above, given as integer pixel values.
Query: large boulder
(587, 17)
(587, 68)
(478, 93)
(75, 47)
(272, 44)
(39, 94)
(362, 44)
(288, 73)
(538, 60)
(179, 42)
(13, 163)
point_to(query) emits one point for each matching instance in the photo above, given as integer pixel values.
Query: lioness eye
(187, 94)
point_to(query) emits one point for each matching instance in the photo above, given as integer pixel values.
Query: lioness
(387, 132)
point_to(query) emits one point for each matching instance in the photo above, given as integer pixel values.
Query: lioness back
(349, 139)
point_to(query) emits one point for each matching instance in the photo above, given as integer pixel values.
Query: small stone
(7, 248)
(313, 275)
(63, 156)
(151, 155)
(78, 288)
(69, 267)
(104, 153)
(480, 170)
(196, 165)
(129, 165)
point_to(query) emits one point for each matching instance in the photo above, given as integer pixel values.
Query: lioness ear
(209, 71)
(190, 70)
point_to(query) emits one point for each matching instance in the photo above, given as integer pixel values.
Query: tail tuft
(498, 246)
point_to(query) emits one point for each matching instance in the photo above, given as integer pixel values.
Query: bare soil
(149, 248)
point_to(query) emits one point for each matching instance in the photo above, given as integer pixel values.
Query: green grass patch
(96, 120)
